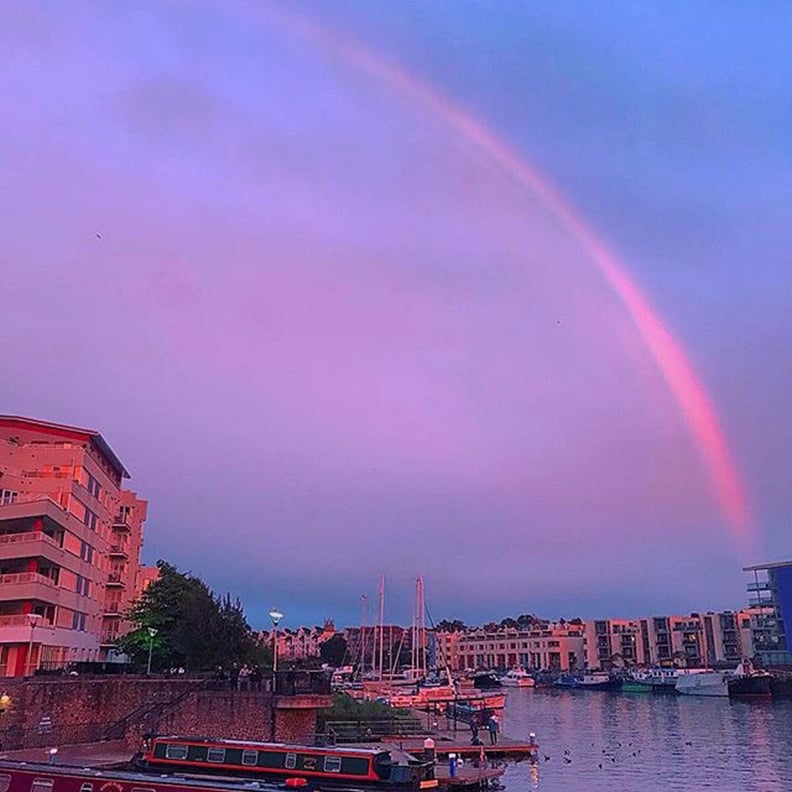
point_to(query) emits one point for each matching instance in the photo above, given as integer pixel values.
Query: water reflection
(602, 742)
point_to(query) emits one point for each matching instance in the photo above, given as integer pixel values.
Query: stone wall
(72, 710)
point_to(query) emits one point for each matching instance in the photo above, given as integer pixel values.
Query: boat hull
(758, 685)
(711, 684)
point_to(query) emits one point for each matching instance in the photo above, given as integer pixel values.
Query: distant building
(70, 539)
(709, 639)
(770, 598)
(146, 576)
(550, 646)
(301, 643)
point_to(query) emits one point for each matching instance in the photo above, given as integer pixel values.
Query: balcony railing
(22, 620)
(119, 549)
(115, 579)
(26, 577)
(27, 536)
(121, 522)
(112, 609)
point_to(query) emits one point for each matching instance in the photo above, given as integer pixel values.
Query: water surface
(639, 742)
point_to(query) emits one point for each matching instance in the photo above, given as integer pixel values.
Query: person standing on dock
(474, 728)
(492, 724)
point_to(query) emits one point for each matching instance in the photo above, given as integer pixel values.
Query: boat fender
(296, 782)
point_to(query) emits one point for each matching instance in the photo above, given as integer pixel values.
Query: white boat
(517, 678)
(704, 683)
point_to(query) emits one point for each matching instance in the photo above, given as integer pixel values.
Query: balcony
(112, 609)
(121, 522)
(26, 585)
(118, 550)
(761, 602)
(22, 620)
(116, 580)
(109, 638)
(761, 586)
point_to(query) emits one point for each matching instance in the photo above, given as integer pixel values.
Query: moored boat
(703, 683)
(517, 678)
(41, 777)
(589, 680)
(748, 681)
(371, 767)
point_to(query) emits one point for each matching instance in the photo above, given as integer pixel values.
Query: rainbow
(687, 389)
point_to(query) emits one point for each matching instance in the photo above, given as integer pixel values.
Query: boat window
(332, 764)
(291, 761)
(143, 789)
(249, 757)
(5, 782)
(41, 785)
(176, 752)
(86, 788)
(215, 755)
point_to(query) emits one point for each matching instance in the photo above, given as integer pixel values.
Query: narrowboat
(370, 767)
(43, 777)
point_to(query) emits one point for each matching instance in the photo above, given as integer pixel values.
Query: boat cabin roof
(265, 746)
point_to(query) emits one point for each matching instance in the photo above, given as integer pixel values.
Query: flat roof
(91, 434)
(774, 565)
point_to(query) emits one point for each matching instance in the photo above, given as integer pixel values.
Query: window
(41, 785)
(140, 789)
(249, 757)
(93, 486)
(215, 755)
(90, 519)
(78, 621)
(86, 788)
(83, 586)
(291, 761)
(332, 764)
(7, 497)
(175, 751)
(86, 552)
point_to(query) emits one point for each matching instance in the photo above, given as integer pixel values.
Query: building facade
(300, 644)
(70, 540)
(694, 641)
(770, 600)
(546, 646)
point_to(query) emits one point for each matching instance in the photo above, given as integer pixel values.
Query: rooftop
(69, 431)
(761, 567)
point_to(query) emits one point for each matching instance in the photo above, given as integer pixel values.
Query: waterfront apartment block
(697, 640)
(70, 540)
(770, 600)
(549, 646)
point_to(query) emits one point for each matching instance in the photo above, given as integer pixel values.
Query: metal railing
(26, 577)
(372, 729)
(27, 536)
(22, 620)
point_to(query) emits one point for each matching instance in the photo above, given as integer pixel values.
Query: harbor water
(607, 742)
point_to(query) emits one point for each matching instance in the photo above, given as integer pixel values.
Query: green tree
(445, 625)
(196, 629)
(333, 651)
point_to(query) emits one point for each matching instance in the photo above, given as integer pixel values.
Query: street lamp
(276, 616)
(32, 619)
(152, 631)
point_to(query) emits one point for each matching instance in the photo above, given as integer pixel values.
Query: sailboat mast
(363, 616)
(381, 624)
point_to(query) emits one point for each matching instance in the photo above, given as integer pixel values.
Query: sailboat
(423, 692)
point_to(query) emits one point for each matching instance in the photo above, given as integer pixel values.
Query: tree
(509, 622)
(333, 651)
(196, 629)
(444, 625)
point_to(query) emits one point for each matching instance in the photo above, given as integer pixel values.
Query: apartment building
(70, 540)
(692, 641)
(556, 646)
(770, 611)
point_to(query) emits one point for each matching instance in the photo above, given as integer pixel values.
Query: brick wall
(73, 710)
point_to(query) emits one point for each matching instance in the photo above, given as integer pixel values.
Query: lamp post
(152, 631)
(276, 616)
(32, 619)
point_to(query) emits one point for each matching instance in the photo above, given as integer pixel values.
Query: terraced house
(70, 540)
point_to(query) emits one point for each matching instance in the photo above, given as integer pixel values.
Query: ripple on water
(620, 742)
